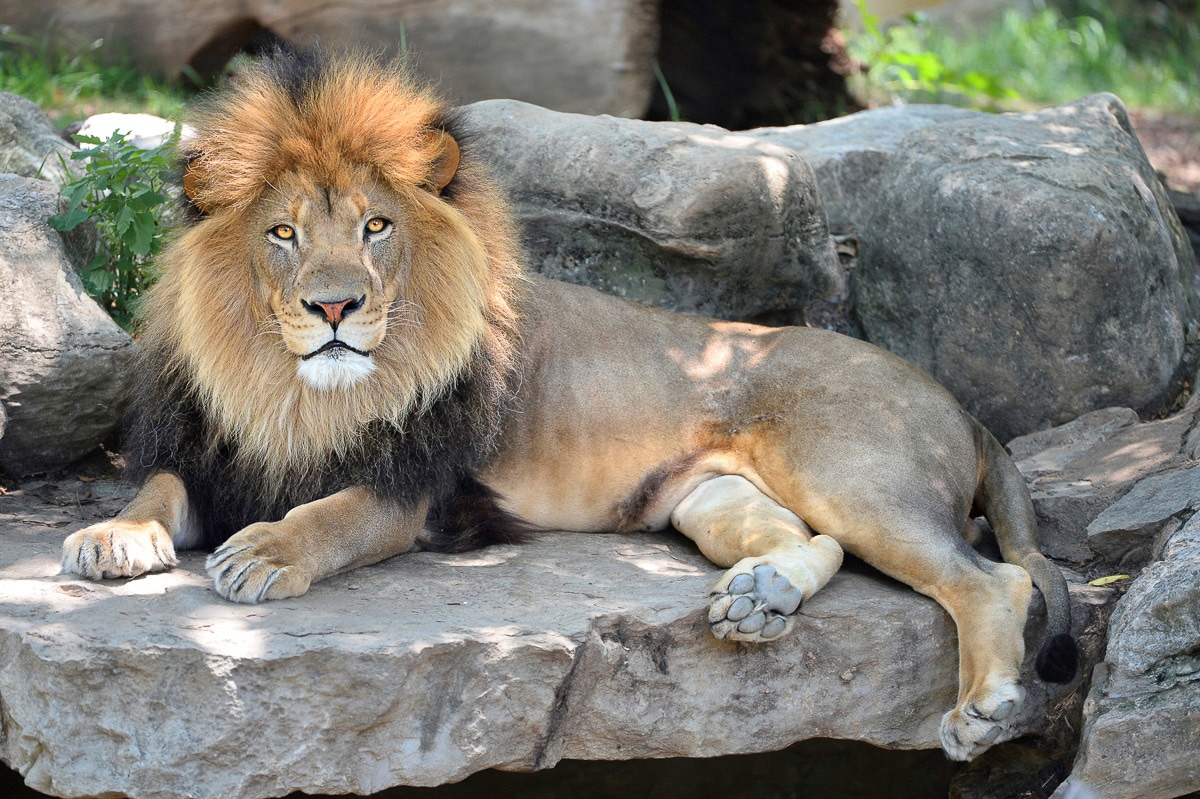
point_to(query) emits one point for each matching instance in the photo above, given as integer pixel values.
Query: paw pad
(970, 729)
(754, 606)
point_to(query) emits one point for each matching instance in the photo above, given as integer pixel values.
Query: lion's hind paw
(754, 604)
(971, 728)
(118, 548)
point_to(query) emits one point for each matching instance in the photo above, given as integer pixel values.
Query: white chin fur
(335, 369)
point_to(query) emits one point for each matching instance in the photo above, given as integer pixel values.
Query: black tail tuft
(471, 518)
(1059, 659)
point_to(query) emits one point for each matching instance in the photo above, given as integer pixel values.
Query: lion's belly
(624, 487)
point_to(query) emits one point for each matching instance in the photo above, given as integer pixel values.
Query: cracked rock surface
(426, 668)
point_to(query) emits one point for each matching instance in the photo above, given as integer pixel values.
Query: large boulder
(426, 668)
(850, 154)
(1032, 263)
(29, 145)
(63, 361)
(686, 217)
(575, 55)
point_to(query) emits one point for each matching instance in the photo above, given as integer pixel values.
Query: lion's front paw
(118, 548)
(969, 729)
(753, 602)
(250, 568)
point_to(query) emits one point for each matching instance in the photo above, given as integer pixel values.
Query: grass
(1146, 53)
(70, 87)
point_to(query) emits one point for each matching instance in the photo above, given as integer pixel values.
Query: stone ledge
(426, 668)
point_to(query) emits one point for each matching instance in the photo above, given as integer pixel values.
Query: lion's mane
(219, 401)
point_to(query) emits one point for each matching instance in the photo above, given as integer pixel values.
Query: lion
(345, 359)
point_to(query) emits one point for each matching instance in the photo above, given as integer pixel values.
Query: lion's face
(341, 264)
(330, 265)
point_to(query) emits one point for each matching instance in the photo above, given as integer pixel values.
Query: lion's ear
(193, 185)
(445, 163)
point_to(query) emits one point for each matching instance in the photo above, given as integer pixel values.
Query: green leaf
(70, 220)
(78, 192)
(146, 198)
(144, 226)
(124, 220)
(98, 281)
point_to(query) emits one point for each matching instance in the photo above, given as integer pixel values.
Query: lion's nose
(334, 311)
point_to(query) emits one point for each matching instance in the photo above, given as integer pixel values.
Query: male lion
(344, 346)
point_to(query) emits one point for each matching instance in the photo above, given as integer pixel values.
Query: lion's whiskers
(403, 313)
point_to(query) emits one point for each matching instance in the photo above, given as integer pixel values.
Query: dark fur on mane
(434, 457)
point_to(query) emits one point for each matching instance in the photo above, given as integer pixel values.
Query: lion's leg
(989, 610)
(777, 561)
(273, 560)
(989, 603)
(140, 539)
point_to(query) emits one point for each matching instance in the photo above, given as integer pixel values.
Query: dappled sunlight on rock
(493, 556)
(30, 567)
(658, 559)
(1058, 246)
(224, 630)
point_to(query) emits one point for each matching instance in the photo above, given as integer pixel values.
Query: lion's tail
(471, 517)
(1005, 501)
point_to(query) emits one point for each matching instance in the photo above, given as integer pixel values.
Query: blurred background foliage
(1033, 54)
(1148, 53)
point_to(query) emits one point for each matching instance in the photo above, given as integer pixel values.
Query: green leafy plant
(1053, 53)
(902, 64)
(123, 190)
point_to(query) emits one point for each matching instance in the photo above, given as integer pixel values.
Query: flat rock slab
(426, 668)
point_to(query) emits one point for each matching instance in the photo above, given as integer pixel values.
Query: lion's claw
(243, 570)
(118, 548)
(754, 605)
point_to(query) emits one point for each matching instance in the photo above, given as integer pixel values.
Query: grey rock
(591, 56)
(1131, 522)
(1142, 717)
(850, 154)
(1031, 263)
(63, 361)
(29, 145)
(686, 217)
(1055, 449)
(1078, 470)
(425, 668)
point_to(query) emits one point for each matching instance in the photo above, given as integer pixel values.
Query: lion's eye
(377, 224)
(284, 232)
